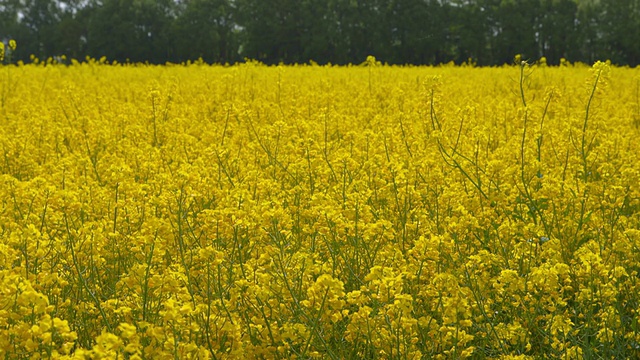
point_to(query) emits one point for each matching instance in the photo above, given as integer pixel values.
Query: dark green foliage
(487, 32)
(205, 29)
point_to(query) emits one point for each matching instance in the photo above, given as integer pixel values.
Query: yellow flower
(127, 330)
(192, 212)
(12, 44)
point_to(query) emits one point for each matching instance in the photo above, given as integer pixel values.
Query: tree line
(486, 32)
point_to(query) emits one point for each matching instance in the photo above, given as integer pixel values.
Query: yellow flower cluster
(12, 47)
(254, 212)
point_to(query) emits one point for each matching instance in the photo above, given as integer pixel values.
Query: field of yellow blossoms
(356, 212)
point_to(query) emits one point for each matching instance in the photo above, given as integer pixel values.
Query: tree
(621, 39)
(205, 28)
(271, 30)
(135, 30)
(558, 33)
(337, 31)
(10, 27)
(39, 19)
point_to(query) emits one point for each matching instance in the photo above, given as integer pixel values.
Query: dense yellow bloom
(255, 212)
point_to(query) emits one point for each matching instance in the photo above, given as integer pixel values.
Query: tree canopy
(486, 32)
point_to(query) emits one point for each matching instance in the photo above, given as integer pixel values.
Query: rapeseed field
(355, 212)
